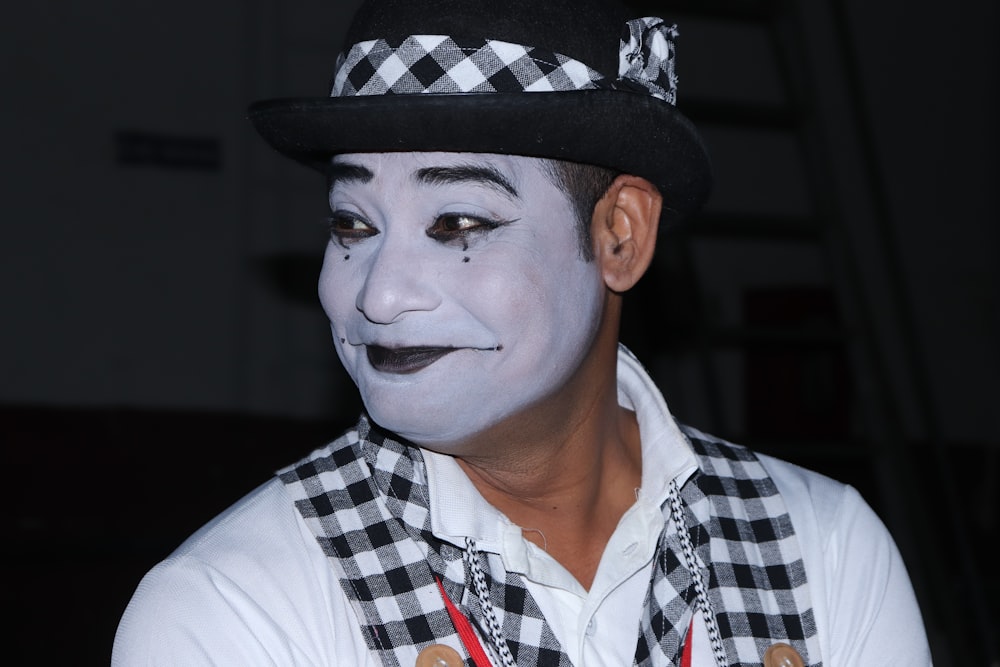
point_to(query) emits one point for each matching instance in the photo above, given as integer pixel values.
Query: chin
(430, 432)
(436, 441)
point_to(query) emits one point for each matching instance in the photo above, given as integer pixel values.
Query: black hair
(584, 185)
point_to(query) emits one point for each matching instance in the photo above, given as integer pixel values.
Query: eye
(347, 227)
(455, 226)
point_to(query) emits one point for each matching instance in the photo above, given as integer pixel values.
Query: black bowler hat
(577, 80)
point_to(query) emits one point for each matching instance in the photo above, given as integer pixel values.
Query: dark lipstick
(404, 359)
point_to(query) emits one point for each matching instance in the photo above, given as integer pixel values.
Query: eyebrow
(476, 174)
(345, 171)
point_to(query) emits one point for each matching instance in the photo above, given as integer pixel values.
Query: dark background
(162, 350)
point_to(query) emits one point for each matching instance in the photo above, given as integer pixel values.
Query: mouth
(403, 360)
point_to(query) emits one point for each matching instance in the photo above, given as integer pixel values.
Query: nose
(398, 281)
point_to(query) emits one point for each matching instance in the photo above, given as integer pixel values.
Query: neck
(568, 499)
(566, 470)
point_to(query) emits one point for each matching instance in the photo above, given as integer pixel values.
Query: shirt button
(782, 655)
(591, 627)
(439, 655)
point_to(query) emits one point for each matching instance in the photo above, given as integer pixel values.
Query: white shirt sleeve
(866, 610)
(244, 590)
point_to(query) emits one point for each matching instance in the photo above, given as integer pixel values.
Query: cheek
(537, 302)
(562, 282)
(338, 290)
(572, 302)
(338, 283)
(497, 290)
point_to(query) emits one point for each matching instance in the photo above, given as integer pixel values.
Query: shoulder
(862, 591)
(222, 585)
(811, 497)
(834, 524)
(860, 588)
(250, 587)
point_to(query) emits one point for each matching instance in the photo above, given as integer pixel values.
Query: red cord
(471, 641)
(688, 642)
(465, 631)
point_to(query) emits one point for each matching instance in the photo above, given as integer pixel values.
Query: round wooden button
(782, 655)
(439, 655)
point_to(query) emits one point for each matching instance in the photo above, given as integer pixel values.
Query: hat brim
(631, 133)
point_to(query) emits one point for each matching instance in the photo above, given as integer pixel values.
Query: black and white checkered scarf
(736, 561)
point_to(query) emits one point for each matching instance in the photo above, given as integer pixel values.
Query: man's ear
(624, 227)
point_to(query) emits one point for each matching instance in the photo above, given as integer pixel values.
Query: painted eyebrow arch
(345, 171)
(476, 174)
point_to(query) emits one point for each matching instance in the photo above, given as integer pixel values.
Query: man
(517, 491)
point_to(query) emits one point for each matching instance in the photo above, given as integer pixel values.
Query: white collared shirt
(253, 587)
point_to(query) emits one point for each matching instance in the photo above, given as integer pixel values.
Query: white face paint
(455, 289)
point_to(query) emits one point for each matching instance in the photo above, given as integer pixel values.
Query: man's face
(455, 289)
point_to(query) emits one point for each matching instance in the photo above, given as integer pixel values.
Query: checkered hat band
(440, 64)
(646, 57)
